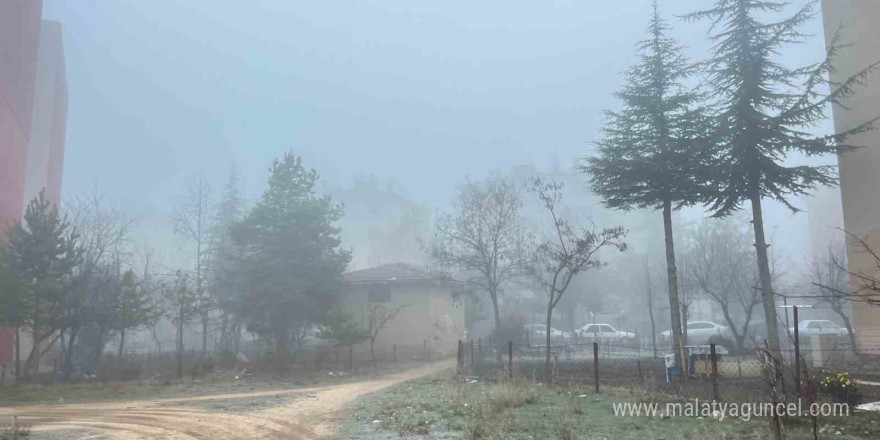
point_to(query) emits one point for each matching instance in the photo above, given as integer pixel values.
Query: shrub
(840, 387)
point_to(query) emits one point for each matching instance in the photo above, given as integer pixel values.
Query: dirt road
(302, 413)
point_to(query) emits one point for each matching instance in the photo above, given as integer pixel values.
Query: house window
(380, 294)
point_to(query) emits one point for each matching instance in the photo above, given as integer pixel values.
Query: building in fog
(429, 314)
(859, 24)
(33, 118)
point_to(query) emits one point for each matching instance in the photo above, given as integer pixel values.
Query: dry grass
(18, 432)
(509, 395)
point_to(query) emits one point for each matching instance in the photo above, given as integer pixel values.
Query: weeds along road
(302, 413)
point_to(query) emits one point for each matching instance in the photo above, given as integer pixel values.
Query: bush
(840, 387)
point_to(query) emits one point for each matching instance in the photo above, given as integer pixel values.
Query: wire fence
(709, 372)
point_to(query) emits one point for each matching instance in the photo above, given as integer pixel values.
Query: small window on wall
(380, 294)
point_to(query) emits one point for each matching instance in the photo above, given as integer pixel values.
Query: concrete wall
(860, 170)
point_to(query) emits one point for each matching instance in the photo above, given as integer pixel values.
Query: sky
(418, 93)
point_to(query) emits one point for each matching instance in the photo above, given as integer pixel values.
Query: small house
(424, 311)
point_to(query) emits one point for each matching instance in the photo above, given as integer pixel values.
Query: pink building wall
(33, 117)
(19, 51)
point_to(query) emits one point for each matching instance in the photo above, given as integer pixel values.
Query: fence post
(480, 347)
(714, 372)
(797, 354)
(510, 357)
(528, 341)
(350, 359)
(596, 365)
(54, 369)
(459, 357)
(394, 352)
(739, 368)
(641, 377)
(472, 352)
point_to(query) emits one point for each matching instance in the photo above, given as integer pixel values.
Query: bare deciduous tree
(182, 306)
(832, 283)
(482, 240)
(722, 266)
(569, 252)
(193, 218)
(378, 318)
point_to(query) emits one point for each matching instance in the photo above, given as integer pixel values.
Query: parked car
(603, 331)
(699, 332)
(539, 331)
(819, 327)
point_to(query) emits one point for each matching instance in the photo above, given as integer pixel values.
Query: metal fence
(709, 372)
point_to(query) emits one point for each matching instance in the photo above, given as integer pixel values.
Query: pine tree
(292, 267)
(134, 308)
(765, 110)
(651, 154)
(41, 255)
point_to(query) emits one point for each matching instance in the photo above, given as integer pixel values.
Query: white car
(603, 331)
(540, 330)
(819, 327)
(699, 332)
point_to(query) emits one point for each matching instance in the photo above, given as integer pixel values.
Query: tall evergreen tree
(292, 266)
(651, 151)
(765, 110)
(42, 253)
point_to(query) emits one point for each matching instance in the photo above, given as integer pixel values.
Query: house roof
(394, 272)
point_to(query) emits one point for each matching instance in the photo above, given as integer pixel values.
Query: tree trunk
(547, 366)
(121, 345)
(651, 307)
(225, 332)
(236, 336)
(685, 315)
(281, 329)
(373, 356)
(498, 341)
(767, 297)
(17, 335)
(849, 330)
(99, 348)
(205, 317)
(67, 368)
(180, 344)
(737, 335)
(672, 279)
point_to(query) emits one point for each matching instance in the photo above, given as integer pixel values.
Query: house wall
(859, 176)
(429, 316)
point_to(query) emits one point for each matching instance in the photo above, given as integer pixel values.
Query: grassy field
(445, 407)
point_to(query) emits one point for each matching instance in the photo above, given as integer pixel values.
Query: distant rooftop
(394, 272)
